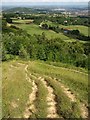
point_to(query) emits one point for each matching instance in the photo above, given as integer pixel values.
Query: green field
(32, 29)
(35, 29)
(20, 21)
(22, 78)
(82, 29)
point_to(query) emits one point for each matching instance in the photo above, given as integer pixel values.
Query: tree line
(70, 33)
(56, 19)
(18, 43)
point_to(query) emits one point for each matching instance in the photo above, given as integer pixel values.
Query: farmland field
(35, 29)
(82, 29)
(16, 21)
(29, 77)
(32, 29)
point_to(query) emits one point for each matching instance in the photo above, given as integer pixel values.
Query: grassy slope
(35, 29)
(68, 66)
(77, 82)
(16, 87)
(81, 28)
(22, 21)
(64, 104)
(40, 103)
(15, 90)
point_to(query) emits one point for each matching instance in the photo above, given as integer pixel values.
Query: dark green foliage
(75, 32)
(45, 26)
(4, 23)
(18, 42)
(9, 20)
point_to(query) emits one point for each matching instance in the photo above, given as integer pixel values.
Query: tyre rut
(30, 109)
(51, 110)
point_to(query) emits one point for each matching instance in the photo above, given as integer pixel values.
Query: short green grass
(35, 29)
(16, 90)
(81, 28)
(77, 82)
(64, 105)
(20, 21)
(68, 66)
(41, 104)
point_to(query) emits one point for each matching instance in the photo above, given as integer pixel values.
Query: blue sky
(44, 1)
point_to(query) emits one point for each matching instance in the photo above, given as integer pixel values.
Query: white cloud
(45, 0)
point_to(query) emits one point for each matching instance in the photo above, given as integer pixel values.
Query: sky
(44, 1)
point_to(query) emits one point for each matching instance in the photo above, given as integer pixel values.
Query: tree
(23, 53)
(9, 20)
(75, 32)
(45, 26)
(41, 53)
(4, 23)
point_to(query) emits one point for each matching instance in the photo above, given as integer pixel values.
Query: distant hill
(18, 10)
(38, 7)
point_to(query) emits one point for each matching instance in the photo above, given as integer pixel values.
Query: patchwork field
(35, 89)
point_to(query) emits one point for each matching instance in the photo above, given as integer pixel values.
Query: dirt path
(31, 109)
(66, 90)
(30, 106)
(84, 110)
(20, 63)
(51, 110)
(12, 66)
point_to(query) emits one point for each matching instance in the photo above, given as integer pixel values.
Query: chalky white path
(30, 109)
(51, 110)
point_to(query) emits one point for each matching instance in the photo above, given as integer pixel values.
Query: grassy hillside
(17, 21)
(15, 90)
(35, 29)
(32, 28)
(81, 28)
(66, 89)
(73, 79)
